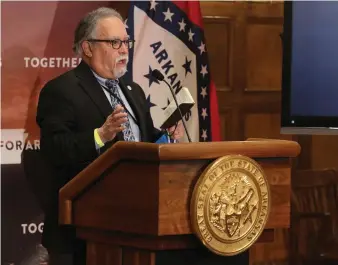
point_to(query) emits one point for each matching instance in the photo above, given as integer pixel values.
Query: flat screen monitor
(310, 67)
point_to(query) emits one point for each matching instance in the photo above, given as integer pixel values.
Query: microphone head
(157, 74)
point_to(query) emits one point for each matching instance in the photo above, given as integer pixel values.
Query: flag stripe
(193, 11)
(215, 120)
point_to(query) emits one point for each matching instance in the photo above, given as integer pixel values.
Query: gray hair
(87, 26)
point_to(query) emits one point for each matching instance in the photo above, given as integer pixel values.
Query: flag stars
(151, 78)
(202, 47)
(204, 92)
(204, 135)
(150, 104)
(187, 66)
(191, 35)
(204, 113)
(153, 5)
(168, 15)
(204, 70)
(182, 25)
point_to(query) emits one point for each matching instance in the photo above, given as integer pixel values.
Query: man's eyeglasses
(116, 44)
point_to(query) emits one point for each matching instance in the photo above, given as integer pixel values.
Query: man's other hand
(178, 133)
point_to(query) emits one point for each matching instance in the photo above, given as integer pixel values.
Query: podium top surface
(204, 150)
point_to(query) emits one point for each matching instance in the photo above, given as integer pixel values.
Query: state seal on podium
(230, 204)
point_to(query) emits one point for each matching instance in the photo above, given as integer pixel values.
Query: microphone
(159, 76)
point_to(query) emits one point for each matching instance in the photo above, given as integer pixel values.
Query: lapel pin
(129, 87)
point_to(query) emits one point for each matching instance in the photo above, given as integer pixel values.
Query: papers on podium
(171, 113)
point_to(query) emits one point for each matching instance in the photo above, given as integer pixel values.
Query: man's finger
(120, 121)
(114, 117)
(118, 109)
(119, 129)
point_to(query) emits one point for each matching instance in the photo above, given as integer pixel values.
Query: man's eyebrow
(118, 38)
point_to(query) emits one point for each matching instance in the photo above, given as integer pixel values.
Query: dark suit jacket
(70, 107)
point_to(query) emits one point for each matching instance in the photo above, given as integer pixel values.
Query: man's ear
(87, 49)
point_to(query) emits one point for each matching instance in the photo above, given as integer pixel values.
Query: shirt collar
(101, 80)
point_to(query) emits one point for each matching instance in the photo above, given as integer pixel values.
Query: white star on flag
(204, 134)
(182, 25)
(168, 15)
(204, 70)
(204, 92)
(191, 34)
(153, 5)
(204, 113)
(202, 47)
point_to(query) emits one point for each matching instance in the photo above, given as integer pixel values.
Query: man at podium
(82, 113)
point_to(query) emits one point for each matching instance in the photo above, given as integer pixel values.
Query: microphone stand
(185, 126)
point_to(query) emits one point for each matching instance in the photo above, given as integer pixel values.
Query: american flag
(169, 37)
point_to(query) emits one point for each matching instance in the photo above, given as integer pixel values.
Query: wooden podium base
(124, 249)
(199, 257)
(110, 255)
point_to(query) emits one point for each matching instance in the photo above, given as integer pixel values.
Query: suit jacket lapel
(92, 87)
(131, 99)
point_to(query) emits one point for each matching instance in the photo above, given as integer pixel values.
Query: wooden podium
(133, 201)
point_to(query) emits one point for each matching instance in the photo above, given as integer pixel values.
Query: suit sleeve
(60, 141)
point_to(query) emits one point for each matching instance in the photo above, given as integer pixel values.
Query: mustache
(122, 57)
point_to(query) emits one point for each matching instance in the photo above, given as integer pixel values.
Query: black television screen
(310, 65)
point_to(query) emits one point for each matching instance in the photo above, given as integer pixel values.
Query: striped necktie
(112, 85)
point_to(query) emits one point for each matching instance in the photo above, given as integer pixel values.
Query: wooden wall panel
(272, 9)
(218, 35)
(245, 50)
(225, 118)
(324, 151)
(263, 125)
(223, 8)
(264, 57)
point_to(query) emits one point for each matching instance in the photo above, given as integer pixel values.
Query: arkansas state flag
(169, 37)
